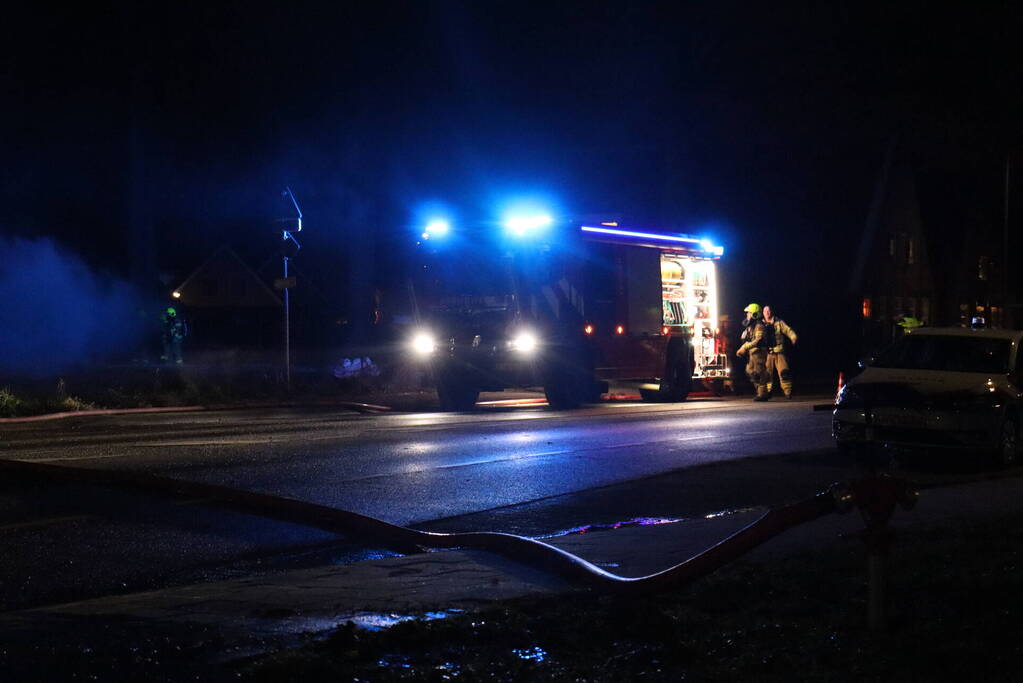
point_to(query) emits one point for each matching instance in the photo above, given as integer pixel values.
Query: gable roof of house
(225, 280)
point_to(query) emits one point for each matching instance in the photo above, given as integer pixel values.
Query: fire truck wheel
(568, 379)
(569, 388)
(455, 395)
(719, 387)
(678, 373)
(564, 396)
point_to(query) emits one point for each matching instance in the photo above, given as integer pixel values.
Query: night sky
(142, 136)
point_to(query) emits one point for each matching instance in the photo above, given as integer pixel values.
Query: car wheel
(1008, 442)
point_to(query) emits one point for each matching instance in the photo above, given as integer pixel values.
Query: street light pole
(287, 323)
(285, 236)
(1005, 244)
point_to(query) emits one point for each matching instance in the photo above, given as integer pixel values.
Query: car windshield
(947, 353)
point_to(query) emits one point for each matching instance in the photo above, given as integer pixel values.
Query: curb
(351, 405)
(104, 411)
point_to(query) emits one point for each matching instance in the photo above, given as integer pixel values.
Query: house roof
(225, 280)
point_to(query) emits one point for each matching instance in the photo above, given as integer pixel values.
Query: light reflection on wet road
(523, 469)
(413, 467)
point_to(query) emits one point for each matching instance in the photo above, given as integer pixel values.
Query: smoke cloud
(56, 312)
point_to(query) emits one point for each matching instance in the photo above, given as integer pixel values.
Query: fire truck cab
(571, 308)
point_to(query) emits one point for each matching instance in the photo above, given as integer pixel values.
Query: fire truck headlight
(524, 342)
(423, 344)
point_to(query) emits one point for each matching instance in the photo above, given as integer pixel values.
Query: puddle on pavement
(379, 622)
(532, 654)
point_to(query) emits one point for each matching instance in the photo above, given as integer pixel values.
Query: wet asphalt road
(523, 469)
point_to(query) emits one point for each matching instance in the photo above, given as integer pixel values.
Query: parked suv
(938, 388)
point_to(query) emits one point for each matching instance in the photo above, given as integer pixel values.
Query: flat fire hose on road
(379, 534)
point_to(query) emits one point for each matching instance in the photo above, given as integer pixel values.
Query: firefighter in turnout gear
(174, 333)
(776, 333)
(754, 345)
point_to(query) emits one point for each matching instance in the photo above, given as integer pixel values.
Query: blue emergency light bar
(703, 244)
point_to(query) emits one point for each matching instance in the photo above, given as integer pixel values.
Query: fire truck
(569, 307)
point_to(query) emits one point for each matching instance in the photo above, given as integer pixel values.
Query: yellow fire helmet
(752, 308)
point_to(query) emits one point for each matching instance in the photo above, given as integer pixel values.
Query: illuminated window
(866, 307)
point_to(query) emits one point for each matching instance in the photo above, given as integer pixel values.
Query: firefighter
(908, 322)
(174, 332)
(776, 332)
(753, 344)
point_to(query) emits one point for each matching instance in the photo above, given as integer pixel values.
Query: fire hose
(380, 534)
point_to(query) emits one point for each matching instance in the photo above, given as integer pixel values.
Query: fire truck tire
(570, 382)
(677, 381)
(455, 395)
(720, 387)
(564, 396)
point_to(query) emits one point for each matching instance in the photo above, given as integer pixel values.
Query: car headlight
(423, 344)
(524, 342)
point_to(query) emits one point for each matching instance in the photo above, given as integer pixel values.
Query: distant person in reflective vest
(174, 332)
(908, 322)
(776, 334)
(753, 344)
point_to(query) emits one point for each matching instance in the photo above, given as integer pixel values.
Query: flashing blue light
(709, 246)
(438, 227)
(520, 225)
(704, 244)
(642, 235)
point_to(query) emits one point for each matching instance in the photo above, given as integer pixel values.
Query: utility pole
(1005, 244)
(295, 225)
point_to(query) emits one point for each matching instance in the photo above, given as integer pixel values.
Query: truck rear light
(665, 330)
(620, 329)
